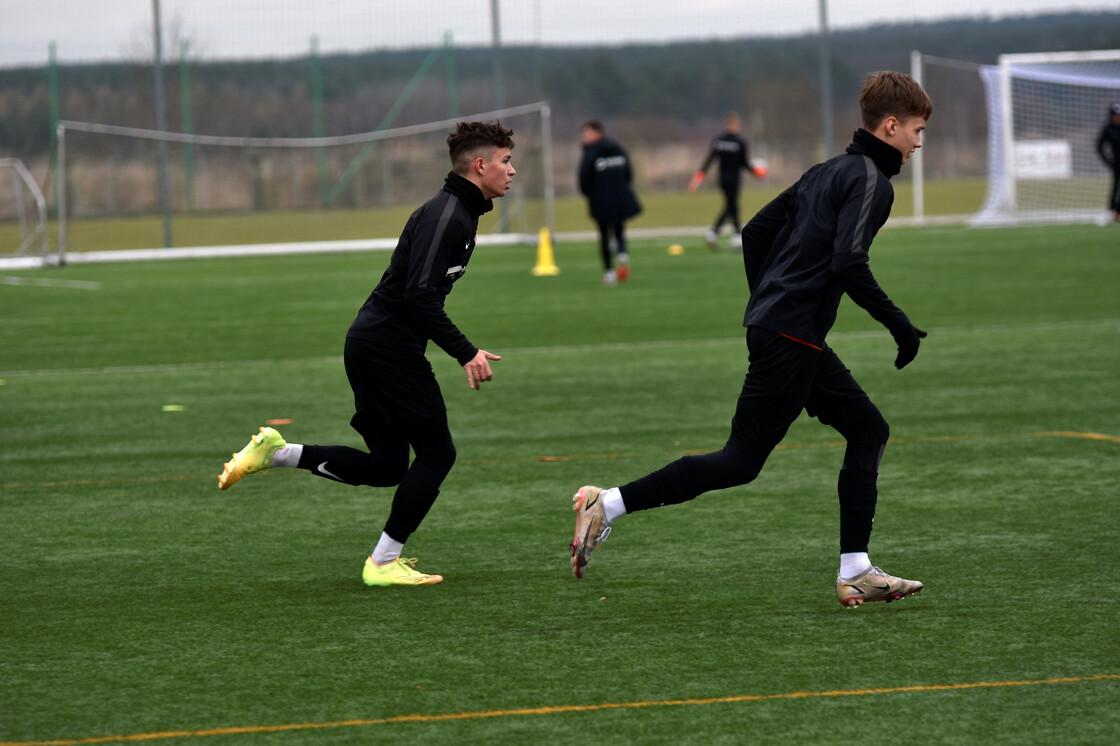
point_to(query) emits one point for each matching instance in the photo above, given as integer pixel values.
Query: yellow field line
(605, 456)
(554, 710)
(1089, 436)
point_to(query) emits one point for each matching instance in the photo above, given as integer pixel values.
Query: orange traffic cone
(546, 263)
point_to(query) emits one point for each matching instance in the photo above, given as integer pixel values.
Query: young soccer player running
(802, 252)
(397, 400)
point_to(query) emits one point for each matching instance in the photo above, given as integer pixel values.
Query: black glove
(908, 340)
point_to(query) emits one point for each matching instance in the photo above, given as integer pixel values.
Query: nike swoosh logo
(322, 468)
(886, 587)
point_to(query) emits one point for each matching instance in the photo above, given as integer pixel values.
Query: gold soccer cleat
(874, 585)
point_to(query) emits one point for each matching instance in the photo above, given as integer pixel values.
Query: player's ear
(479, 165)
(891, 125)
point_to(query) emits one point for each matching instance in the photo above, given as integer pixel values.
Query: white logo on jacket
(614, 161)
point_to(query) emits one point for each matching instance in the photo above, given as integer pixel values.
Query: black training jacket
(405, 310)
(604, 178)
(733, 154)
(1108, 146)
(808, 246)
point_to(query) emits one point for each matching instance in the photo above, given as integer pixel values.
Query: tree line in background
(648, 92)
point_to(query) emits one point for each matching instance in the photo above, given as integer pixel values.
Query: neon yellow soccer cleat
(400, 571)
(590, 531)
(874, 585)
(256, 456)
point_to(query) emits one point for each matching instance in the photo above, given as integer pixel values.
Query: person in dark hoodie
(605, 178)
(1108, 146)
(802, 252)
(397, 400)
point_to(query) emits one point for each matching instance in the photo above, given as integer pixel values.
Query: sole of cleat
(856, 602)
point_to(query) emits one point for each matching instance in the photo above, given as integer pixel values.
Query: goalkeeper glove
(696, 179)
(908, 340)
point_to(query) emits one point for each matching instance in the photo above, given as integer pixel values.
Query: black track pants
(783, 378)
(386, 464)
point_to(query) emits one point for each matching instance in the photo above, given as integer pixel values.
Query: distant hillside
(643, 91)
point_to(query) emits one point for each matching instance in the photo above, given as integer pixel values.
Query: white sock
(854, 564)
(613, 507)
(387, 550)
(287, 455)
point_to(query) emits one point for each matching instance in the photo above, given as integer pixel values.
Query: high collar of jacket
(469, 193)
(887, 157)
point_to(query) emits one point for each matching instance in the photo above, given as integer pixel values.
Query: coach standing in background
(1108, 145)
(605, 179)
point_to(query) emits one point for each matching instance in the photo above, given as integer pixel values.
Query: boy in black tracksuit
(802, 252)
(733, 154)
(397, 400)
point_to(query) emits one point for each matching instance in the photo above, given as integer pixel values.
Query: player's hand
(478, 368)
(908, 340)
(696, 179)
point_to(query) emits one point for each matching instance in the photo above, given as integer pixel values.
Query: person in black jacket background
(802, 252)
(605, 178)
(1108, 146)
(397, 400)
(733, 153)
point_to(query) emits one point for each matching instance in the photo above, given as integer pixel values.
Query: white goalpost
(110, 171)
(1045, 113)
(22, 201)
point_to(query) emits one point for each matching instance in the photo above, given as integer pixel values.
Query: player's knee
(878, 429)
(867, 433)
(860, 419)
(866, 453)
(439, 456)
(735, 464)
(386, 472)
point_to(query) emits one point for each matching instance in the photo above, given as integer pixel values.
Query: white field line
(47, 282)
(376, 244)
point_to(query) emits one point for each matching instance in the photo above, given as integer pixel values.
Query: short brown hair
(471, 140)
(888, 93)
(594, 125)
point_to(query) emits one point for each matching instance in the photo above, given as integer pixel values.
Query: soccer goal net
(23, 212)
(114, 172)
(1045, 114)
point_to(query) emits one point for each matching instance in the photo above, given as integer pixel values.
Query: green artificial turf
(136, 598)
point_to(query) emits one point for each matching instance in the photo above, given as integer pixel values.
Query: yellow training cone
(546, 263)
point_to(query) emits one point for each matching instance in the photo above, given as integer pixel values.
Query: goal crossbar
(290, 142)
(361, 138)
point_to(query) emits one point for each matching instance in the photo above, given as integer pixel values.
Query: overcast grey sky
(95, 30)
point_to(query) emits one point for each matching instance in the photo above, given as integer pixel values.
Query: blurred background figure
(733, 153)
(1108, 145)
(605, 178)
